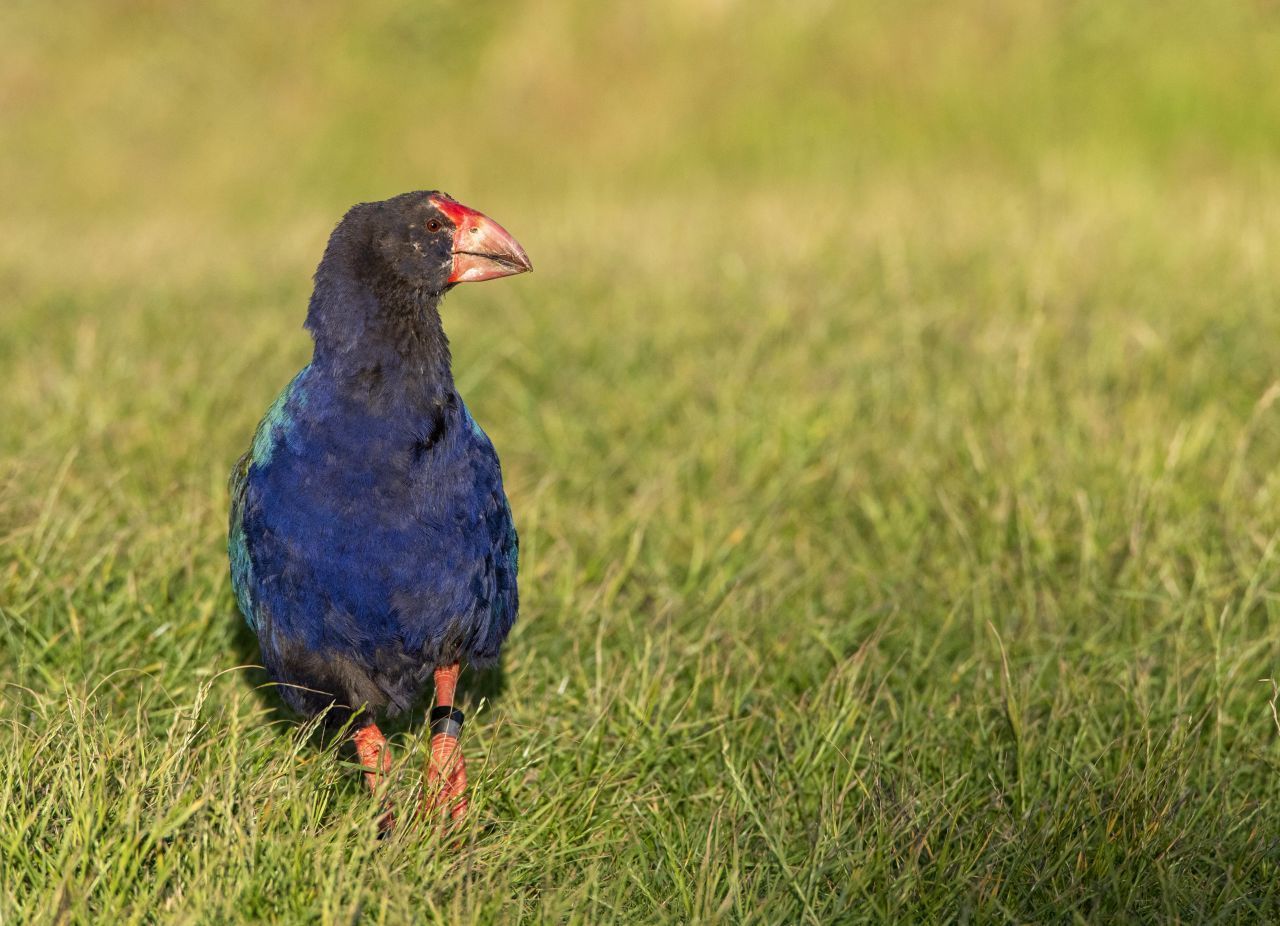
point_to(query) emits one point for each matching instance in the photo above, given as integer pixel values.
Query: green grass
(891, 427)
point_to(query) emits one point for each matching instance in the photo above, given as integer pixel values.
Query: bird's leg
(375, 756)
(447, 773)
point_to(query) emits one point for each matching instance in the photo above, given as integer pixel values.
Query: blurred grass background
(890, 424)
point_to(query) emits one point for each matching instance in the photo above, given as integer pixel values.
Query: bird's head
(428, 241)
(388, 260)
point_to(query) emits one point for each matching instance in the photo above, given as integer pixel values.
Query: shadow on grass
(255, 676)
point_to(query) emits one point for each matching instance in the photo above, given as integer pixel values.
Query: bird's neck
(381, 346)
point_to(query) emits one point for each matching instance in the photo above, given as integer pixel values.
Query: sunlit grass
(890, 424)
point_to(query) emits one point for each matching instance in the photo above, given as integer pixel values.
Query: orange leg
(375, 756)
(447, 773)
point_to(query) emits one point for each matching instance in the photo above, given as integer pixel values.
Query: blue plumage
(370, 539)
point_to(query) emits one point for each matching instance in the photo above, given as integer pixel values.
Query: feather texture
(367, 550)
(370, 538)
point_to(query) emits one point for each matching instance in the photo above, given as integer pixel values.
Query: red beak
(482, 249)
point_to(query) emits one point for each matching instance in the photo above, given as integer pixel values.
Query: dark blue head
(387, 264)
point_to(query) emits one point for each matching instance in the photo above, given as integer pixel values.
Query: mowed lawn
(891, 424)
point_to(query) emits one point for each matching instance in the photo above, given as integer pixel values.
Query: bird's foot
(447, 771)
(447, 774)
(375, 755)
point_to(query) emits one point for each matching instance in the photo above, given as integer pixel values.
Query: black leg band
(446, 720)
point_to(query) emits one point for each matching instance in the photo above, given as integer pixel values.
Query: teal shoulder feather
(237, 547)
(259, 454)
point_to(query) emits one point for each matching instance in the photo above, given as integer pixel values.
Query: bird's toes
(446, 779)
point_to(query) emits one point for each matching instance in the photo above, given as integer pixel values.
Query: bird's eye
(433, 225)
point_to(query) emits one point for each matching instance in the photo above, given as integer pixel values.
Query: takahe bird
(371, 542)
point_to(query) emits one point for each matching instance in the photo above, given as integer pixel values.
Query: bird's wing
(237, 542)
(506, 602)
(259, 454)
(511, 546)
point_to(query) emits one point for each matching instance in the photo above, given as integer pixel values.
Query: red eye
(433, 225)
